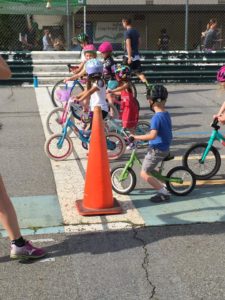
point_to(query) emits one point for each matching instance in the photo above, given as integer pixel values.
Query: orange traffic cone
(98, 198)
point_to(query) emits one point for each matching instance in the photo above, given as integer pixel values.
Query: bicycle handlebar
(214, 124)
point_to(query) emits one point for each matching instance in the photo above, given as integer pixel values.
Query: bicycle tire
(120, 146)
(49, 151)
(211, 165)
(189, 181)
(143, 127)
(61, 84)
(52, 122)
(117, 185)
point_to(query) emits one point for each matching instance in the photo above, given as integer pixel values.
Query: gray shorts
(152, 158)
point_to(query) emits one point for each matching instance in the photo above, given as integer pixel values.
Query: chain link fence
(102, 21)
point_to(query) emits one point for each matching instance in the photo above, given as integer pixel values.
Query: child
(129, 110)
(221, 77)
(96, 90)
(83, 41)
(109, 66)
(89, 53)
(159, 138)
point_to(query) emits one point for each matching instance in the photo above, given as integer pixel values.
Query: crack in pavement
(145, 261)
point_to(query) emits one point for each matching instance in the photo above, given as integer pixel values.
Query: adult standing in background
(47, 41)
(211, 36)
(163, 41)
(131, 48)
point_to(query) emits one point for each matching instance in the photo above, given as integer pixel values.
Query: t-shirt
(109, 68)
(98, 98)
(210, 38)
(46, 44)
(161, 122)
(133, 35)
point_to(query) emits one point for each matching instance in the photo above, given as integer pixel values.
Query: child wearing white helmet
(96, 89)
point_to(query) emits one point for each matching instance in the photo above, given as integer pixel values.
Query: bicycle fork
(123, 176)
(209, 145)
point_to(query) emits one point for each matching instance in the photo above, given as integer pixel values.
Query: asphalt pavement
(119, 257)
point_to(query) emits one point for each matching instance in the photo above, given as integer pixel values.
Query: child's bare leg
(155, 183)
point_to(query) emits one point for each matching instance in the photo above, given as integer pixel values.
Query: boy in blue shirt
(159, 137)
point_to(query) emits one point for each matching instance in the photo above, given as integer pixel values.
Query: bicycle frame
(69, 123)
(215, 136)
(157, 174)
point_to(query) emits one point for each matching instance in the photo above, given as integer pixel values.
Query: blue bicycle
(60, 146)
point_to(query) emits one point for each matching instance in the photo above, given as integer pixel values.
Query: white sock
(164, 191)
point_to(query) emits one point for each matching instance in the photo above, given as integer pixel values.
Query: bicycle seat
(168, 157)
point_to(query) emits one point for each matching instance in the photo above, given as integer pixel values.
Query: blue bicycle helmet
(94, 67)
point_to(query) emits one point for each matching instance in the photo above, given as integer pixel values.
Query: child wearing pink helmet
(89, 53)
(109, 67)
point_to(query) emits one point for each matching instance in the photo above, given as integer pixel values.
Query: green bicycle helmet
(82, 37)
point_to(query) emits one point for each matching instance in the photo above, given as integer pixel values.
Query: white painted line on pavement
(42, 240)
(70, 182)
(50, 259)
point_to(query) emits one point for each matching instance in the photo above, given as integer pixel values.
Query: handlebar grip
(131, 139)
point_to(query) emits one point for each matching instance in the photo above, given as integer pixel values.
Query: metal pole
(186, 25)
(85, 19)
(68, 38)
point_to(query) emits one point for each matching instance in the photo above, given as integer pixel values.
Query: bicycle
(75, 89)
(59, 146)
(203, 159)
(180, 181)
(115, 125)
(57, 117)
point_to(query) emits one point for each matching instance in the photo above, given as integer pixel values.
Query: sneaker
(158, 198)
(27, 251)
(131, 146)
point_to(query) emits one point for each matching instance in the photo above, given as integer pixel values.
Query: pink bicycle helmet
(221, 74)
(89, 48)
(105, 47)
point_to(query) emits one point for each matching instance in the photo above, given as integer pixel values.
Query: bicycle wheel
(61, 85)
(54, 152)
(188, 181)
(125, 186)
(143, 127)
(54, 122)
(206, 169)
(115, 145)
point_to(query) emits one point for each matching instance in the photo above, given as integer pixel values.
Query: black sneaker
(158, 198)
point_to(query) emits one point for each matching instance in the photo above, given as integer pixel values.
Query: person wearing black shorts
(131, 47)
